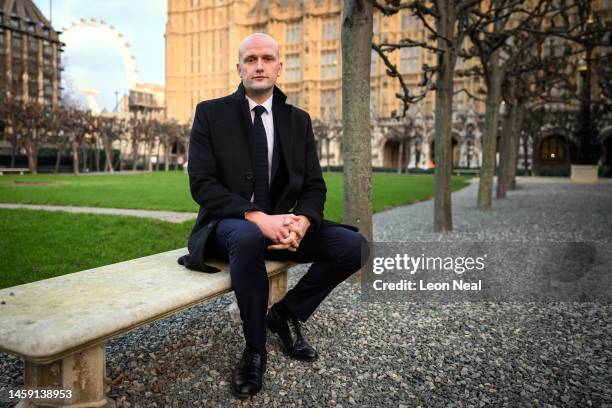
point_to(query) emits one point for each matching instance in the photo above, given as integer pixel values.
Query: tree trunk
(85, 161)
(13, 151)
(75, 158)
(120, 154)
(157, 157)
(504, 152)
(489, 137)
(148, 155)
(58, 159)
(443, 220)
(327, 141)
(356, 48)
(517, 128)
(108, 152)
(97, 147)
(134, 155)
(166, 157)
(32, 151)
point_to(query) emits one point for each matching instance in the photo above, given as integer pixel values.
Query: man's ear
(238, 70)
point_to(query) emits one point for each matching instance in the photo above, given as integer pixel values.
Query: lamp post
(588, 152)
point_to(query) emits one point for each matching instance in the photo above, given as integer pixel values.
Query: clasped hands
(286, 231)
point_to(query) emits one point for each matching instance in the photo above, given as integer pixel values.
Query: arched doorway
(553, 156)
(392, 150)
(455, 152)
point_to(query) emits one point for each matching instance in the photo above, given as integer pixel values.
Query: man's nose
(259, 66)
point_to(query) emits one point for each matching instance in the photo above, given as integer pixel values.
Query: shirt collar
(267, 104)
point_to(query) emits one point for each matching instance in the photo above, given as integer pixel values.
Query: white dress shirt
(268, 122)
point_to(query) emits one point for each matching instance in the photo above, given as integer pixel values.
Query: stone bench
(59, 326)
(466, 172)
(13, 170)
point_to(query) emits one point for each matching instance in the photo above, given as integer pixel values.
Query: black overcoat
(221, 170)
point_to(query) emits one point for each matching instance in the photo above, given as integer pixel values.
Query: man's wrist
(252, 215)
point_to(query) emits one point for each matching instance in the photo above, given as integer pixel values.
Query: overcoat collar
(278, 94)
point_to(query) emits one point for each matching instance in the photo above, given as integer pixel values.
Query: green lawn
(388, 190)
(37, 245)
(152, 191)
(169, 191)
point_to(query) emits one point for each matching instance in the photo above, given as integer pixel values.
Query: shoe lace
(295, 326)
(251, 356)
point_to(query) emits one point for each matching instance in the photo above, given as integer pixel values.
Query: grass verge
(37, 245)
(169, 191)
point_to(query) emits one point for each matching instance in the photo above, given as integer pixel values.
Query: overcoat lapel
(282, 126)
(241, 107)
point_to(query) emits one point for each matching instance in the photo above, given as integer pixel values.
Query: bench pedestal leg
(278, 287)
(82, 373)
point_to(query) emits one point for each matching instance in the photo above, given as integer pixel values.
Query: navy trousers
(334, 250)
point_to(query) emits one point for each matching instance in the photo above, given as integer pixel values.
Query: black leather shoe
(290, 332)
(248, 375)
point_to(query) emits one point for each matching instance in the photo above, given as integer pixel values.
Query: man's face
(259, 66)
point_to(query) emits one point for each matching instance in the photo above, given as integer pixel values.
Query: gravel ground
(398, 354)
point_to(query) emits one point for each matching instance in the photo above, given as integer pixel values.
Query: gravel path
(398, 354)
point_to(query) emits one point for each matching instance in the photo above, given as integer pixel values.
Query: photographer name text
(420, 285)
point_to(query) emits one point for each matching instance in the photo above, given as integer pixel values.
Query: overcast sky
(92, 59)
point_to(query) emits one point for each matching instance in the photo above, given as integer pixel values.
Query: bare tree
(33, 121)
(500, 45)
(451, 26)
(79, 125)
(59, 135)
(110, 129)
(138, 129)
(151, 130)
(526, 85)
(169, 134)
(509, 140)
(325, 131)
(520, 84)
(401, 131)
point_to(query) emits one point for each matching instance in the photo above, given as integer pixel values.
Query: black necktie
(260, 161)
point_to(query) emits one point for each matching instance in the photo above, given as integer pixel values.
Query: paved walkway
(543, 180)
(167, 216)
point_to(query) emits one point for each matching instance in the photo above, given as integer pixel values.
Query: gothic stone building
(202, 38)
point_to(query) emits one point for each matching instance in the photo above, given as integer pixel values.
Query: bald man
(254, 171)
